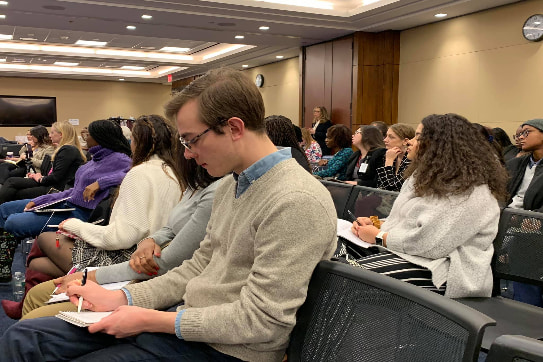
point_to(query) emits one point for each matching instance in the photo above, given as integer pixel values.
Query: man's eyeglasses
(187, 143)
(524, 134)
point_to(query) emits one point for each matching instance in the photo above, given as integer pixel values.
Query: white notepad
(42, 206)
(82, 319)
(344, 230)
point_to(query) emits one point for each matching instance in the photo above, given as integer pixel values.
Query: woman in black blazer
(361, 169)
(319, 128)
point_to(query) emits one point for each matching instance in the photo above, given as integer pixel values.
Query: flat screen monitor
(28, 111)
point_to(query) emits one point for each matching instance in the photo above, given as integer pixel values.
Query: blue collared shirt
(244, 181)
(532, 162)
(259, 168)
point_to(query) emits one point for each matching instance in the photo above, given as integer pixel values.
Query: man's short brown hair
(222, 94)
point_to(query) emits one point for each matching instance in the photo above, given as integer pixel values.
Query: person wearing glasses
(147, 194)
(362, 166)
(241, 289)
(526, 190)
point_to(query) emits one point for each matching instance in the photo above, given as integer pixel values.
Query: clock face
(259, 81)
(533, 28)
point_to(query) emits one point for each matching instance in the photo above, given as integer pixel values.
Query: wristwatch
(379, 238)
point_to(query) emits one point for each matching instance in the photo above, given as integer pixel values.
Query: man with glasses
(526, 190)
(243, 286)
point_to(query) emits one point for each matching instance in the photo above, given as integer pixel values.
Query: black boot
(8, 244)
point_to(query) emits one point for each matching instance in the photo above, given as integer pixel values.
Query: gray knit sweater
(450, 236)
(244, 284)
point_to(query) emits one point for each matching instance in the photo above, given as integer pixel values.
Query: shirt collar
(532, 163)
(258, 169)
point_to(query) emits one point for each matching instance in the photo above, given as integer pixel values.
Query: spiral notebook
(82, 319)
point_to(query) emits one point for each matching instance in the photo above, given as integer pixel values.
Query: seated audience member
(298, 132)
(526, 190)
(311, 148)
(236, 303)
(381, 126)
(281, 132)
(127, 132)
(319, 128)
(509, 150)
(338, 139)
(83, 138)
(67, 158)
(390, 172)
(440, 231)
(519, 150)
(362, 166)
(41, 145)
(109, 165)
(180, 238)
(486, 132)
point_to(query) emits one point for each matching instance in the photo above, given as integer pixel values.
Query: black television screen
(17, 111)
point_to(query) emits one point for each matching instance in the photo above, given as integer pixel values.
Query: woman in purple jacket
(110, 162)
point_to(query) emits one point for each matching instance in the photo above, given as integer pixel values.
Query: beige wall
(479, 66)
(281, 88)
(88, 100)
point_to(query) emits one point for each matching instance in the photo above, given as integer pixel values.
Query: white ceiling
(204, 26)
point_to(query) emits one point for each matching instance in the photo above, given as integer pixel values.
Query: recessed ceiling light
(121, 79)
(264, 28)
(3, 2)
(245, 66)
(279, 56)
(66, 64)
(6, 37)
(18, 60)
(537, 22)
(2, 16)
(440, 15)
(146, 17)
(239, 37)
(174, 49)
(131, 27)
(90, 43)
(29, 39)
(132, 67)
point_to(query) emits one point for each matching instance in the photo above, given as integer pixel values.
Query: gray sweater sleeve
(187, 225)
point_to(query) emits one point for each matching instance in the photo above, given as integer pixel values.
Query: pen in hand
(354, 217)
(73, 270)
(81, 297)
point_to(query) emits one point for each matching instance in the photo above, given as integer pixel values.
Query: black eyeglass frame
(187, 144)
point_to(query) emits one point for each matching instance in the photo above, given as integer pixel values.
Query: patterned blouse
(313, 152)
(337, 165)
(387, 179)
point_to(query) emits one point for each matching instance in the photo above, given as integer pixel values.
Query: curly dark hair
(42, 135)
(340, 135)
(453, 158)
(486, 132)
(281, 132)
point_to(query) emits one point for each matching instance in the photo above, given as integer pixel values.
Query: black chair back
(340, 193)
(518, 248)
(367, 201)
(509, 348)
(352, 314)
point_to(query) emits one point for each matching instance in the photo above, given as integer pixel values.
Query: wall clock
(533, 28)
(259, 80)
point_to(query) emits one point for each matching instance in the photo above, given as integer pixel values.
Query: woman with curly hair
(439, 233)
(281, 132)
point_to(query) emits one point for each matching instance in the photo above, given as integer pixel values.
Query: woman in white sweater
(440, 231)
(146, 196)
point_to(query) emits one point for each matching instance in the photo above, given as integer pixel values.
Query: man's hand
(128, 321)
(142, 260)
(90, 191)
(95, 297)
(64, 281)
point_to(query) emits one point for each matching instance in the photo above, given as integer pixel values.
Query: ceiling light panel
(316, 4)
(66, 64)
(3, 3)
(132, 67)
(2, 16)
(146, 17)
(174, 49)
(6, 36)
(91, 43)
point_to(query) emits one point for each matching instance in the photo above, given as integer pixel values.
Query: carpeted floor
(6, 291)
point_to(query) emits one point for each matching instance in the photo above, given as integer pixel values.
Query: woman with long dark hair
(440, 231)
(280, 130)
(362, 166)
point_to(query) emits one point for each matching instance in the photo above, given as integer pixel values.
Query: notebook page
(344, 230)
(82, 319)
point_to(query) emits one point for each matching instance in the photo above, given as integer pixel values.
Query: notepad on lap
(82, 319)
(344, 230)
(62, 297)
(42, 206)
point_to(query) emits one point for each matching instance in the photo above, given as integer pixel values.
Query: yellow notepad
(82, 319)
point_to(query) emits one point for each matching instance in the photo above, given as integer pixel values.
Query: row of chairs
(352, 314)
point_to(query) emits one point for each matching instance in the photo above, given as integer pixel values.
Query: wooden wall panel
(314, 81)
(341, 91)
